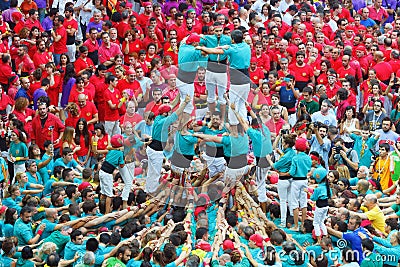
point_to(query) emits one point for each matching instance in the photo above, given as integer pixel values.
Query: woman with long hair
(42, 163)
(24, 114)
(131, 45)
(348, 125)
(6, 103)
(18, 151)
(9, 220)
(73, 115)
(323, 76)
(100, 140)
(68, 140)
(68, 82)
(83, 137)
(53, 75)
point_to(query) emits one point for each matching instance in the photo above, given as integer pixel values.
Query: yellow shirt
(377, 218)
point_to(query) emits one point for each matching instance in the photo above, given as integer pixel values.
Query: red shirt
(134, 48)
(256, 75)
(302, 74)
(135, 119)
(83, 63)
(111, 114)
(5, 100)
(153, 107)
(344, 72)
(331, 91)
(91, 46)
(30, 24)
(73, 95)
(41, 134)
(5, 73)
(88, 112)
(122, 28)
(61, 46)
(383, 71)
(27, 64)
(84, 149)
(275, 127)
(135, 86)
(41, 58)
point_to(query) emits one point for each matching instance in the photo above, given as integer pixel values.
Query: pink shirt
(275, 127)
(106, 53)
(377, 14)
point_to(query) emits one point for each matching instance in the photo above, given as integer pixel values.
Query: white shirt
(84, 16)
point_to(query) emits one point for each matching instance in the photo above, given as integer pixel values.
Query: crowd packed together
(200, 133)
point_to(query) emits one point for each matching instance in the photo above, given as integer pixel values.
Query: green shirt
(372, 260)
(301, 165)
(396, 160)
(19, 150)
(311, 106)
(189, 58)
(114, 262)
(212, 41)
(239, 56)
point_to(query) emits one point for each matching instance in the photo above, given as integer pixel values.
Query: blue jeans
(56, 58)
(42, 14)
(82, 159)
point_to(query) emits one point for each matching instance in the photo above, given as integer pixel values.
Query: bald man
(88, 111)
(384, 71)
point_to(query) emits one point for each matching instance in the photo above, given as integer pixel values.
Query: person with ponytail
(321, 195)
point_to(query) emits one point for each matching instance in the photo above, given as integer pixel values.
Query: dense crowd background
(199, 133)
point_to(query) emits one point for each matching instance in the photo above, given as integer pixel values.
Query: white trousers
(112, 128)
(319, 218)
(215, 81)
(238, 95)
(154, 169)
(106, 183)
(232, 175)
(71, 52)
(214, 165)
(128, 174)
(298, 198)
(284, 194)
(186, 89)
(261, 174)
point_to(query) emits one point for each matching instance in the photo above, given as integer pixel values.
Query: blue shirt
(239, 56)
(209, 131)
(368, 22)
(184, 144)
(60, 162)
(355, 241)
(235, 146)
(189, 58)
(115, 157)
(301, 165)
(284, 162)
(160, 126)
(212, 41)
(261, 139)
(320, 192)
(23, 231)
(365, 159)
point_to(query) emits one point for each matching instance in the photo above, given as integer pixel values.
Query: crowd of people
(199, 133)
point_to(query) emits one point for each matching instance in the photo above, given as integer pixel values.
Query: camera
(374, 153)
(286, 79)
(302, 105)
(51, 128)
(284, 131)
(337, 149)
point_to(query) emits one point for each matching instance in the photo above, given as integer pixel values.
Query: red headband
(301, 127)
(372, 182)
(313, 157)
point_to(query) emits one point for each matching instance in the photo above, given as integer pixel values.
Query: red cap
(398, 139)
(83, 186)
(301, 144)
(257, 239)
(296, 36)
(253, 60)
(145, 4)
(16, 16)
(130, 71)
(228, 244)
(3, 209)
(361, 48)
(193, 38)
(203, 245)
(362, 27)
(198, 210)
(117, 140)
(349, 28)
(103, 229)
(164, 108)
(128, 4)
(365, 223)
